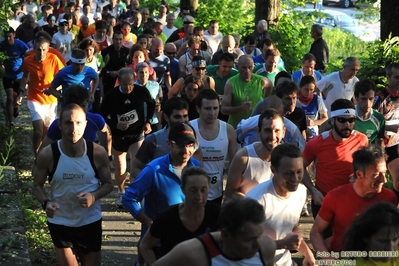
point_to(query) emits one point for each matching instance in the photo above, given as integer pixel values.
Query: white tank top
(74, 175)
(214, 154)
(257, 170)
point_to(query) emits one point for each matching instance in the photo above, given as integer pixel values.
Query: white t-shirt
(168, 31)
(42, 22)
(213, 40)
(31, 9)
(339, 89)
(282, 214)
(63, 40)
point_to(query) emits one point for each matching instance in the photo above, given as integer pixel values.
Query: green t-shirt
(178, 22)
(219, 81)
(373, 127)
(240, 91)
(261, 70)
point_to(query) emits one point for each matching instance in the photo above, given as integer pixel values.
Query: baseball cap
(182, 134)
(63, 21)
(188, 20)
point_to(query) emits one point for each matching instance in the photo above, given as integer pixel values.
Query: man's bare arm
(234, 176)
(104, 174)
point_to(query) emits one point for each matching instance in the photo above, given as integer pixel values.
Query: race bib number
(129, 117)
(215, 178)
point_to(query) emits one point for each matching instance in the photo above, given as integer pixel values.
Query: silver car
(339, 20)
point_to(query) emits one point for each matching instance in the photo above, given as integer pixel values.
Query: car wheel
(346, 3)
(325, 3)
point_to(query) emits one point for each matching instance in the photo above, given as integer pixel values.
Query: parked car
(339, 20)
(343, 3)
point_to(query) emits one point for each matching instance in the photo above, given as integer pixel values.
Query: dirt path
(120, 231)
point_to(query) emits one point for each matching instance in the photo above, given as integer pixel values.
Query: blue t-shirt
(15, 53)
(95, 123)
(66, 77)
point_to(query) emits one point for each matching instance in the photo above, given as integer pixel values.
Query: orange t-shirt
(41, 76)
(88, 32)
(51, 50)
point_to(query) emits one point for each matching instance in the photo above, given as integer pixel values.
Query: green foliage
(234, 16)
(376, 57)
(7, 144)
(292, 38)
(41, 249)
(342, 45)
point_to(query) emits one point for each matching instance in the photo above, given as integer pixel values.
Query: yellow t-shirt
(394, 261)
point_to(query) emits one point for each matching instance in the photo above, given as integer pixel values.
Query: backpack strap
(90, 154)
(56, 158)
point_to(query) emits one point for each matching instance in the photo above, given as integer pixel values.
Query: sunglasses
(199, 68)
(343, 120)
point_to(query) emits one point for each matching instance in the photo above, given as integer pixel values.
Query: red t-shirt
(341, 205)
(333, 158)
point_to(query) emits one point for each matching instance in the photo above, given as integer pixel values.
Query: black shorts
(11, 83)
(392, 153)
(83, 239)
(122, 143)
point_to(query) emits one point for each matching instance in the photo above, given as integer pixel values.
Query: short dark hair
(226, 57)
(174, 103)
(67, 16)
(364, 86)
(101, 25)
(318, 29)
(309, 57)
(9, 30)
(70, 107)
(213, 21)
(190, 171)
(237, 211)
(390, 67)
(249, 39)
(342, 104)
(368, 223)
(284, 150)
(269, 113)
(282, 74)
(207, 94)
(366, 156)
(76, 94)
(307, 80)
(266, 41)
(286, 88)
(271, 52)
(197, 29)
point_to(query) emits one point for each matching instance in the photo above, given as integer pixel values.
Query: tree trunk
(389, 18)
(268, 10)
(193, 4)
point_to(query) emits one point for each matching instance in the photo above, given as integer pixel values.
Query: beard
(343, 132)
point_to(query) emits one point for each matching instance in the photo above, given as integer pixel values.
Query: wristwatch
(44, 203)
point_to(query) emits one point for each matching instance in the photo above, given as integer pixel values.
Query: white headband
(78, 60)
(340, 112)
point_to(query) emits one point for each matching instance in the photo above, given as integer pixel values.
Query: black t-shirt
(298, 117)
(170, 230)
